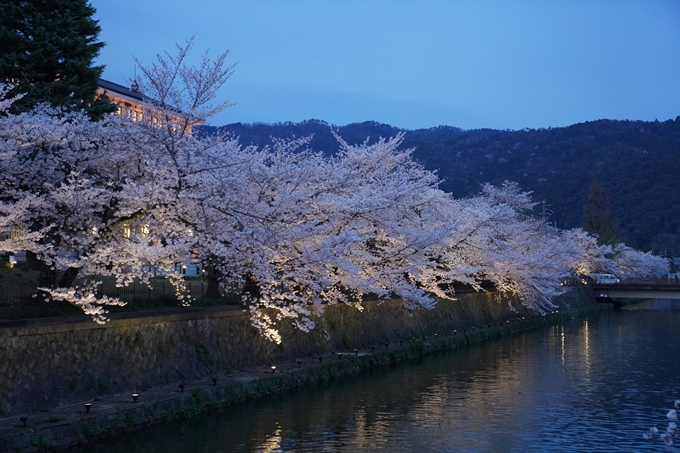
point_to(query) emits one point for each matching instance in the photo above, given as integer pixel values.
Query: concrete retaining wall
(47, 364)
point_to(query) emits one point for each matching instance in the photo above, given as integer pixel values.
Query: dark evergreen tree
(599, 218)
(47, 48)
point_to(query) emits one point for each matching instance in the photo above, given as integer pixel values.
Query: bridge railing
(643, 283)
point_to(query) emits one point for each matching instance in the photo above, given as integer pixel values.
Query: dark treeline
(636, 162)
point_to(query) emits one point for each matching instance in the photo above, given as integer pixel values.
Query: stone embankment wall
(45, 365)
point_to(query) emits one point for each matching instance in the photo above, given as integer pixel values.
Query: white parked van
(605, 279)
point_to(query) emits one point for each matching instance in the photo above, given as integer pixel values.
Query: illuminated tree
(91, 189)
(633, 263)
(116, 196)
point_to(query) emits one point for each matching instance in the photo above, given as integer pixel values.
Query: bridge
(639, 288)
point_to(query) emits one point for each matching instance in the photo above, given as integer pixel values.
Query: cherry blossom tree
(633, 263)
(90, 193)
(312, 230)
(116, 196)
(519, 254)
(592, 257)
(76, 185)
(179, 96)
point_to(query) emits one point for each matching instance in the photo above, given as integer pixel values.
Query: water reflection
(591, 385)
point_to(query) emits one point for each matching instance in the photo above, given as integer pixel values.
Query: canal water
(589, 385)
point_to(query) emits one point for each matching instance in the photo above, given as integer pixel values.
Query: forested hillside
(637, 162)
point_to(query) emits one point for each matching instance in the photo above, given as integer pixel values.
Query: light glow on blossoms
(114, 197)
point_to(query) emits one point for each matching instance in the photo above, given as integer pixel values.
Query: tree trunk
(48, 276)
(251, 288)
(213, 290)
(66, 280)
(32, 261)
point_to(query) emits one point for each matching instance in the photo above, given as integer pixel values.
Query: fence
(674, 281)
(156, 292)
(21, 302)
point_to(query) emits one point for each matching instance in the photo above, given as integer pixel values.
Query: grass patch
(41, 442)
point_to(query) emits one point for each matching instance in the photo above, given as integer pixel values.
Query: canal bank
(388, 341)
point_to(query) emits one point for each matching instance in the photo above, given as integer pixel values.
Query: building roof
(132, 96)
(121, 90)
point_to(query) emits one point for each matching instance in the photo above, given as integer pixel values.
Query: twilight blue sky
(414, 64)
